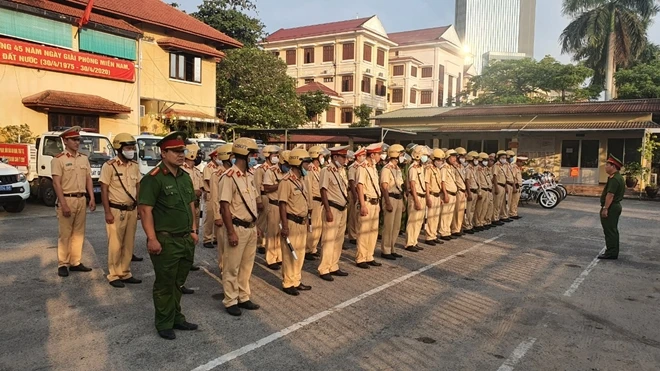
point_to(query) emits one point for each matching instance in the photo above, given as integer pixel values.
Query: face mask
(285, 168)
(383, 156)
(252, 162)
(274, 160)
(402, 159)
(233, 161)
(424, 158)
(462, 160)
(128, 154)
(503, 161)
(511, 160)
(485, 162)
(218, 162)
(476, 162)
(322, 160)
(304, 172)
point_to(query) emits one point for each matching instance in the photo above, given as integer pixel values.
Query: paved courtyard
(525, 296)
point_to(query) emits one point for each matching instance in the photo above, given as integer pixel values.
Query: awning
(172, 43)
(298, 138)
(544, 126)
(372, 134)
(67, 101)
(185, 115)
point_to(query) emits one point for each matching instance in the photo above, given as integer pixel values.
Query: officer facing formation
(360, 158)
(448, 177)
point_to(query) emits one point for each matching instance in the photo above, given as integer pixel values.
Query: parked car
(14, 188)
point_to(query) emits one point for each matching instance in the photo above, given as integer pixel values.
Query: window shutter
(348, 51)
(380, 58)
(427, 72)
(330, 115)
(413, 96)
(367, 53)
(413, 71)
(426, 97)
(397, 96)
(290, 57)
(397, 70)
(309, 55)
(328, 53)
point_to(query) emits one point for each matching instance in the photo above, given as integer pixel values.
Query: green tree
(606, 34)
(228, 16)
(254, 90)
(641, 81)
(315, 103)
(565, 79)
(16, 134)
(362, 112)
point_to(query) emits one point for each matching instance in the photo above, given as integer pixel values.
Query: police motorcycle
(538, 188)
(556, 185)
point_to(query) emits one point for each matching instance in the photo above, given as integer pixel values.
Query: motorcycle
(552, 179)
(538, 188)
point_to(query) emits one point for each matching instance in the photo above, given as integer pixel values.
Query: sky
(403, 16)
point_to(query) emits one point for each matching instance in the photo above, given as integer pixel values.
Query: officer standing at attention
(238, 205)
(391, 184)
(120, 185)
(472, 189)
(72, 180)
(369, 195)
(490, 214)
(223, 156)
(462, 197)
(510, 183)
(417, 201)
(434, 194)
(610, 203)
(499, 187)
(353, 212)
(334, 193)
(209, 169)
(449, 190)
(293, 197)
(518, 181)
(272, 159)
(167, 206)
(485, 199)
(270, 185)
(189, 166)
(317, 154)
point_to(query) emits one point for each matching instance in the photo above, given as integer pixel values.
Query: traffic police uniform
(485, 199)
(353, 212)
(461, 196)
(209, 169)
(313, 179)
(367, 177)
(499, 184)
(490, 212)
(262, 201)
(222, 153)
(473, 188)
(510, 183)
(434, 186)
(195, 175)
(273, 176)
(518, 180)
(448, 178)
(417, 183)
(391, 179)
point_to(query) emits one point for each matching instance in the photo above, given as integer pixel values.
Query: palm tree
(606, 34)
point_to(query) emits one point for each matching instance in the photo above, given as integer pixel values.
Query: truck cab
(206, 146)
(148, 152)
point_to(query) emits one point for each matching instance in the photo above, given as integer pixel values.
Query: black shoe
(430, 242)
(274, 266)
(411, 249)
(327, 277)
(215, 242)
(194, 268)
(185, 326)
(234, 310)
(354, 242)
(310, 257)
(339, 273)
(291, 291)
(507, 220)
(438, 241)
(457, 234)
(186, 291)
(469, 231)
(516, 217)
(63, 271)
(374, 263)
(208, 245)
(117, 283)
(279, 263)
(261, 250)
(487, 227)
(131, 280)
(363, 265)
(388, 256)
(419, 247)
(607, 257)
(80, 268)
(499, 223)
(446, 238)
(397, 255)
(303, 287)
(316, 254)
(136, 258)
(167, 334)
(249, 305)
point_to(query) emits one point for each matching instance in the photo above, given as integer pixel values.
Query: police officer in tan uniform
(369, 195)
(449, 190)
(517, 173)
(353, 212)
(472, 189)
(510, 185)
(294, 204)
(120, 184)
(209, 169)
(72, 180)
(238, 206)
(196, 175)
(391, 183)
(318, 155)
(435, 195)
(485, 199)
(223, 156)
(499, 187)
(271, 155)
(417, 201)
(270, 184)
(462, 197)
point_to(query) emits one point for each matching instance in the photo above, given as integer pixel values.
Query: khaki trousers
(480, 208)
(488, 217)
(498, 201)
(415, 221)
(367, 234)
(513, 205)
(71, 232)
(292, 268)
(470, 208)
(332, 241)
(353, 216)
(208, 219)
(121, 242)
(237, 263)
(459, 212)
(447, 215)
(504, 211)
(262, 222)
(220, 236)
(433, 218)
(314, 237)
(391, 226)
(273, 250)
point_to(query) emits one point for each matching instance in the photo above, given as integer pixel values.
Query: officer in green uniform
(610, 202)
(167, 205)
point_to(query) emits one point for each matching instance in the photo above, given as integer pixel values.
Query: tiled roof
(610, 107)
(185, 45)
(158, 12)
(78, 12)
(546, 126)
(418, 36)
(55, 99)
(315, 86)
(317, 30)
(406, 113)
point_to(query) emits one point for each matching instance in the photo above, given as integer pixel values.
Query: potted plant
(633, 171)
(651, 190)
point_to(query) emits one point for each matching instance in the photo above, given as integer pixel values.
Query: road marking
(212, 275)
(297, 326)
(578, 281)
(517, 355)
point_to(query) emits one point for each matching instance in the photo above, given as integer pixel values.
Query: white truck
(14, 188)
(148, 152)
(206, 146)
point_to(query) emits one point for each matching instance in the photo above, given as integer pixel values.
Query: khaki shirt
(483, 177)
(195, 175)
(313, 178)
(73, 171)
(459, 177)
(517, 172)
(433, 179)
(499, 173)
(235, 183)
(508, 174)
(448, 177)
(273, 176)
(209, 169)
(259, 177)
(295, 194)
(352, 171)
(334, 181)
(367, 175)
(391, 175)
(416, 174)
(216, 191)
(471, 177)
(129, 173)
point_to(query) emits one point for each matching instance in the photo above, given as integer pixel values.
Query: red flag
(88, 12)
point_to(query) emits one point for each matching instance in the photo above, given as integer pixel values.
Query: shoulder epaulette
(60, 155)
(154, 171)
(229, 173)
(81, 153)
(110, 162)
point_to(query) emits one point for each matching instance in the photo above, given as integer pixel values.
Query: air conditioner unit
(380, 74)
(142, 110)
(368, 70)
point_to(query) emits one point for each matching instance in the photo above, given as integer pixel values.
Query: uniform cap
(270, 149)
(339, 150)
(461, 151)
(375, 148)
(214, 153)
(284, 156)
(224, 152)
(410, 147)
(510, 153)
(176, 139)
(350, 154)
(615, 161)
(418, 152)
(71, 132)
(316, 151)
(451, 152)
(522, 158)
(298, 156)
(501, 153)
(395, 151)
(483, 156)
(361, 151)
(123, 139)
(491, 155)
(471, 155)
(192, 151)
(438, 154)
(244, 146)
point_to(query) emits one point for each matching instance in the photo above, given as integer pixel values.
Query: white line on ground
(578, 281)
(212, 275)
(297, 326)
(517, 355)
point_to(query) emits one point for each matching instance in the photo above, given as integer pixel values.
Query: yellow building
(134, 66)
(348, 57)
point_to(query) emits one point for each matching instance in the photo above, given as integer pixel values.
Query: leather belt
(296, 219)
(422, 195)
(122, 207)
(474, 191)
(435, 194)
(274, 202)
(452, 193)
(501, 184)
(373, 201)
(76, 195)
(242, 223)
(398, 196)
(336, 206)
(175, 235)
(509, 183)
(461, 190)
(319, 199)
(487, 189)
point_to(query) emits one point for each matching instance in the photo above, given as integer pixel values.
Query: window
(328, 53)
(459, 86)
(441, 86)
(397, 70)
(454, 143)
(328, 79)
(290, 57)
(185, 67)
(491, 146)
(347, 83)
(570, 150)
(309, 55)
(379, 112)
(625, 149)
(507, 143)
(397, 95)
(381, 90)
(366, 53)
(107, 44)
(348, 51)
(413, 96)
(589, 154)
(56, 120)
(413, 71)
(276, 53)
(53, 146)
(450, 89)
(380, 57)
(474, 145)
(309, 81)
(330, 115)
(29, 27)
(426, 97)
(366, 84)
(427, 72)
(346, 115)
